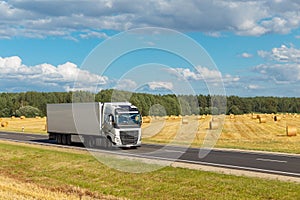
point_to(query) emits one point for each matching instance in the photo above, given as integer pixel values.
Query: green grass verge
(56, 168)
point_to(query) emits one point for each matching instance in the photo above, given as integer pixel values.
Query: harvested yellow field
(30, 125)
(240, 131)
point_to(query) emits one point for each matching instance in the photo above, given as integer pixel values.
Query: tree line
(31, 104)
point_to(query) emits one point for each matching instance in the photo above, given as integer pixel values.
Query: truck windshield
(132, 119)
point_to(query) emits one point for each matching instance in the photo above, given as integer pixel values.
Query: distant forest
(31, 104)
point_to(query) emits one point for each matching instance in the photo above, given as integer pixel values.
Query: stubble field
(239, 132)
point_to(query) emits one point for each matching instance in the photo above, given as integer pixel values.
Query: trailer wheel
(58, 139)
(64, 139)
(69, 141)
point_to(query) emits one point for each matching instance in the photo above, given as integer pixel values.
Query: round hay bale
(277, 118)
(13, 117)
(262, 120)
(38, 117)
(215, 119)
(185, 121)
(213, 125)
(146, 119)
(45, 128)
(174, 118)
(291, 130)
(254, 116)
(231, 116)
(4, 124)
(22, 117)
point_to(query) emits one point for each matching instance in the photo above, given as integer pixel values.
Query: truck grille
(129, 137)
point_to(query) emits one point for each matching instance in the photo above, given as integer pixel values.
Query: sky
(242, 47)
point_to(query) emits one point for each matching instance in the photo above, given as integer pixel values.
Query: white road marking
(270, 160)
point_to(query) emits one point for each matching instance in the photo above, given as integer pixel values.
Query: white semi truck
(97, 124)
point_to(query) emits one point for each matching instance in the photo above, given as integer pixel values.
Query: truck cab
(121, 124)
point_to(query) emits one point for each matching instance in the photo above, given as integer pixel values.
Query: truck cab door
(108, 123)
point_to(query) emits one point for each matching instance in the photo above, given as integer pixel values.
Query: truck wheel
(64, 139)
(69, 141)
(108, 143)
(58, 138)
(89, 142)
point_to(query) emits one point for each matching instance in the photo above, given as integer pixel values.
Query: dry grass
(12, 189)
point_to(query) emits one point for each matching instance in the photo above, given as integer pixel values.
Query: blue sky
(255, 46)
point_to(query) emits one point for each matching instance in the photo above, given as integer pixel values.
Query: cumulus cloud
(126, 84)
(282, 54)
(202, 74)
(93, 34)
(160, 85)
(253, 87)
(246, 55)
(63, 77)
(280, 73)
(283, 65)
(42, 18)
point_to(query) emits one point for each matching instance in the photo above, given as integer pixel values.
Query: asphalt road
(273, 163)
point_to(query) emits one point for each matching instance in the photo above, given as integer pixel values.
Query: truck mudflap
(52, 136)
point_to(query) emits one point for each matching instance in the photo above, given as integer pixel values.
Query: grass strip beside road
(57, 169)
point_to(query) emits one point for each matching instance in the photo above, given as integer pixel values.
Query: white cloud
(214, 34)
(66, 76)
(283, 66)
(280, 73)
(93, 34)
(160, 85)
(253, 87)
(208, 74)
(126, 84)
(202, 74)
(282, 54)
(246, 55)
(43, 18)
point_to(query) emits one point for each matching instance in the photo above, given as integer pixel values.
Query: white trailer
(97, 124)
